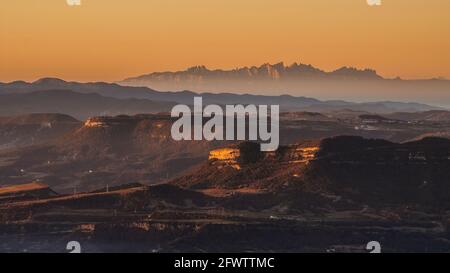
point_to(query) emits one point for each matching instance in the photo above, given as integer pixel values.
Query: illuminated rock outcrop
(94, 123)
(236, 157)
(229, 156)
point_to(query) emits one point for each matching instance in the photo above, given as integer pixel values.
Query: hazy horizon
(112, 40)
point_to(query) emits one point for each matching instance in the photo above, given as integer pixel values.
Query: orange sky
(112, 39)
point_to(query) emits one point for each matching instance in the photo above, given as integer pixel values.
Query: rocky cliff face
(107, 150)
(362, 170)
(244, 166)
(139, 134)
(33, 129)
(226, 156)
(379, 171)
(243, 154)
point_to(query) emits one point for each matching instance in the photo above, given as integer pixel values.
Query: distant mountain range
(346, 83)
(82, 100)
(78, 105)
(264, 72)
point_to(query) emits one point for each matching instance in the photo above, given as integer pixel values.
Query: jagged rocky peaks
(298, 79)
(266, 71)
